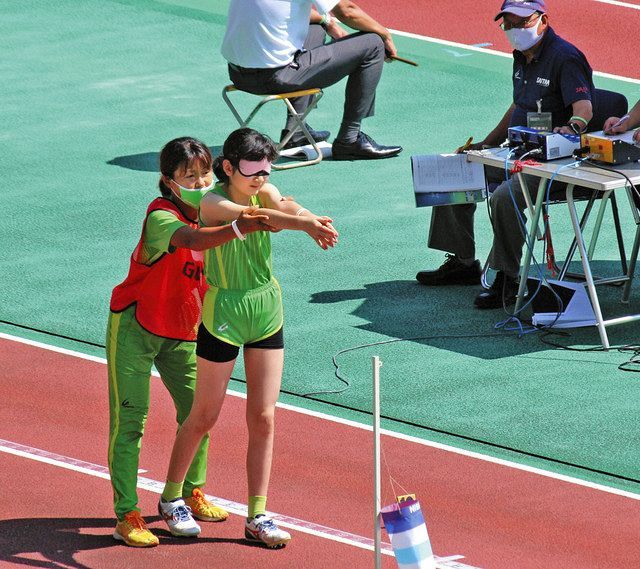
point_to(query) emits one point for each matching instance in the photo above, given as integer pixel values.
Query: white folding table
(583, 175)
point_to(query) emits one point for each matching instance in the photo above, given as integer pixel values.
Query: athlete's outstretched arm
(248, 221)
(215, 209)
(272, 198)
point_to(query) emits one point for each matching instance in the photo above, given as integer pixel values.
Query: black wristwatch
(575, 128)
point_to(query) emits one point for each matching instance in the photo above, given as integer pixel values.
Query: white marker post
(375, 360)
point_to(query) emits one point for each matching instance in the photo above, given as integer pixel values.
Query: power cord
(514, 318)
(631, 365)
(432, 429)
(382, 343)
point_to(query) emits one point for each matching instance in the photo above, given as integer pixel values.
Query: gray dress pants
(359, 56)
(452, 226)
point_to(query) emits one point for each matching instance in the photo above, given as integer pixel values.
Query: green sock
(257, 506)
(172, 490)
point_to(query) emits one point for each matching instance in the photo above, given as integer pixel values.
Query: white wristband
(238, 233)
(325, 19)
(301, 210)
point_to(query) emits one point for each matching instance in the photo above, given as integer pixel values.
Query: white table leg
(591, 288)
(530, 238)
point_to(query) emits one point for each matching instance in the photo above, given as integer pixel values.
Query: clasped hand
(321, 230)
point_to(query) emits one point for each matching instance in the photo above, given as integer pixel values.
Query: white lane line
(236, 508)
(393, 434)
(501, 53)
(621, 4)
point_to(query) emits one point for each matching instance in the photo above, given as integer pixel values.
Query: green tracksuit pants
(131, 352)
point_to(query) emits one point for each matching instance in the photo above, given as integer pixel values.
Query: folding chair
(299, 119)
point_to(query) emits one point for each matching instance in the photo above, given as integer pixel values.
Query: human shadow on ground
(147, 161)
(58, 540)
(445, 317)
(150, 161)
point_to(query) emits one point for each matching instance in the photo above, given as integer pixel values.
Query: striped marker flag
(408, 534)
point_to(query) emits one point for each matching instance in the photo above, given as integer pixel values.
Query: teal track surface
(90, 93)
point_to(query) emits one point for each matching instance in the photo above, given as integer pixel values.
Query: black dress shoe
(502, 293)
(451, 272)
(364, 148)
(299, 139)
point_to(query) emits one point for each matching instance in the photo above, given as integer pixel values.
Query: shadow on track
(57, 541)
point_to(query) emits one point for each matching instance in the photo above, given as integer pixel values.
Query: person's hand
(335, 30)
(611, 125)
(251, 220)
(328, 222)
(389, 46)
(321, 230)
(636, 136)
(563, 130)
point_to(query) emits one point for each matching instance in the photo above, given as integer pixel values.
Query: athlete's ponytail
(244, 144)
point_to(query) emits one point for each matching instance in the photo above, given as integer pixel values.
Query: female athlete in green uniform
(243, 307)
(153, 321)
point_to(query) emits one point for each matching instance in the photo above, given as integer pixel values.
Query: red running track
(606, 33)
(496, 516)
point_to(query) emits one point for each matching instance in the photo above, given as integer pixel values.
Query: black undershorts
(215, 350)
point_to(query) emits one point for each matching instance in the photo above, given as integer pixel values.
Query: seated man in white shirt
(277, 46)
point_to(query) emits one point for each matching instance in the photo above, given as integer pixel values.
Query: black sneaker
(451, 272)
(502, 293)
(299, 139)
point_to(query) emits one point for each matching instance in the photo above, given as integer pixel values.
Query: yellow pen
(467, 144)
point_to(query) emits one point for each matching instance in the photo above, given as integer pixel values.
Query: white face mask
(524, 38)
(192, 196)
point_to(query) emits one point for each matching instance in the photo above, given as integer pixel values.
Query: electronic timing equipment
(609, 150)
(546, 145)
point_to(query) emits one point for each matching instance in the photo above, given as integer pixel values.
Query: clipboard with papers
(447, 179)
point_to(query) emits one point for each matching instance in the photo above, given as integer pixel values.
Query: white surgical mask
(524, 38)
(192, 196)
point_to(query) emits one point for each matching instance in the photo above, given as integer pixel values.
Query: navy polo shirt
(559, 74)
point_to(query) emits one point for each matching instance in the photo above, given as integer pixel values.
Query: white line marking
(457, 53)
(498, 53)
(236, 508)
(356, 425)
(621, 4)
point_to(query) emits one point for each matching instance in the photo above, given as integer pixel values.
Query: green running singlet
(243, 303)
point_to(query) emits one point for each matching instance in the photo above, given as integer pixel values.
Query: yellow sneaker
(204, 510)
(133, 531)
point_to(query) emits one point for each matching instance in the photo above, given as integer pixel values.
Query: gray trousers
(359, 56)
(452, 226)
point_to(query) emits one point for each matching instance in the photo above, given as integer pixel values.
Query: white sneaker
(178, 517)
(264, 529)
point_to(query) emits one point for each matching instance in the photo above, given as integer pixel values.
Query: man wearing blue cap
(550, 75)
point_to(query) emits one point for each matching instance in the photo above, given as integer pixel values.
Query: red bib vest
(168, 293)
